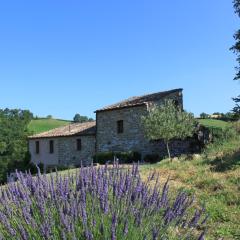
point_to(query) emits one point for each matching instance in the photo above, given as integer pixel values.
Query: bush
(123, 157)
(236, 126)
(152, 158)
(223, 134)
(103, 157)
(97, 203)
(226, 134)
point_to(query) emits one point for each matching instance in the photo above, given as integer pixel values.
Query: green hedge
(123, 157)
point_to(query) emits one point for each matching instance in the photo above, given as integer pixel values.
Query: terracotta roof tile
(74, 129)
(141, 100)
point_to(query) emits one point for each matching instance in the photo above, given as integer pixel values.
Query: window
(51, 146)
(37, 147)
(120, 126)
(176, 103)
(79, 144)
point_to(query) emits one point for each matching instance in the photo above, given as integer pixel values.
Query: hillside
(213, 178)
(45, 124)
(213, 123)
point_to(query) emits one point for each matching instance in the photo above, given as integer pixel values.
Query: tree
(13, 140)
(228, 116)
(236, 109)
(236, 49)
(168, 122)
(204, 115)
(81, 119)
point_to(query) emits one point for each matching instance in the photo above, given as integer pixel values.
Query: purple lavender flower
(125, 228)
(93, 203)
(201, 237)
(113, 228)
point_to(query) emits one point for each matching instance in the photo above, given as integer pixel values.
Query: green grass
(44, 124)
(213, 123)
(214, 178)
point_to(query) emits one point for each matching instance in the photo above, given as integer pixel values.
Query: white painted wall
(44, 155)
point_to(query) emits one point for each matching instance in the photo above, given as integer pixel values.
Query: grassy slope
(44, 124)
(213, 123)
(215, 180)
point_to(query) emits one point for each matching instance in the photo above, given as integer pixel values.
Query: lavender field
(97, 203)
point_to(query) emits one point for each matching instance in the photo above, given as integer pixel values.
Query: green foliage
(13, 140)
(44, 124)
(123, 157)
(168, 122)
(213, 178)
(229, 116)
(236, 49)
(236, 109)
(81, 119)
(223, 134)
(236, 126)
(204, 115)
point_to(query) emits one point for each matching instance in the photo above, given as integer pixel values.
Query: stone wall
(132, 138)
(65, 151)
(69, 155)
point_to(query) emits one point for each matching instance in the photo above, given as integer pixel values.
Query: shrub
(222, 134)
(152, 158)
(236, 126)
(123, 157)
(96, 203)
(227, 133)
(103, 157)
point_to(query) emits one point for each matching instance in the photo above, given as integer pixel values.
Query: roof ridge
(130, 101)
(155, 93)
(67, 130)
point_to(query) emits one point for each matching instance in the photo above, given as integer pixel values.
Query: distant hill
(45, 124)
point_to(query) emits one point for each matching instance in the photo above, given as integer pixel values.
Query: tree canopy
(204, 115)
(168, 122)
(13, 139)
(236, 49)
(81, 119)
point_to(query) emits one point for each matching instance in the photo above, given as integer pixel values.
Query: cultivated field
(213, 123)
(45, 124)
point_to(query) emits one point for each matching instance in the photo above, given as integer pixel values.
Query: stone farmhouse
(117, 128)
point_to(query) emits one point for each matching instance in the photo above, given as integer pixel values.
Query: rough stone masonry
(118, 128)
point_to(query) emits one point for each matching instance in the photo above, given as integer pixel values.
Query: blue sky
(64, 57)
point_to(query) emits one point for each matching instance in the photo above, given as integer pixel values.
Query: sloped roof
(140, 100)
(74, 129)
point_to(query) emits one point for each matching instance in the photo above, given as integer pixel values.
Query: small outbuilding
(73, 144)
